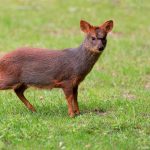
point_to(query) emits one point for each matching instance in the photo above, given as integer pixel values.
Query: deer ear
(107, 26)
(85, 26)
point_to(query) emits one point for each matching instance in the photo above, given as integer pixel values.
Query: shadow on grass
(58, 111)
(97, 111)
(43, 111)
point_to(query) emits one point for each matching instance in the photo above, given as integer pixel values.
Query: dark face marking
(96, 40)
(101, 37)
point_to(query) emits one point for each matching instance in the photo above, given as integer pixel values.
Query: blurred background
(116, 94)
(49, 23)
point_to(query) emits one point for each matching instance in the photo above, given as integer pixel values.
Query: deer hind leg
(19, 92)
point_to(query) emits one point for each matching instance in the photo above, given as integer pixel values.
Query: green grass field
(114, 98)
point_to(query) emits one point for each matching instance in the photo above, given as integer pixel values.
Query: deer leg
(69, 96)
(75, 94)
(19, 92)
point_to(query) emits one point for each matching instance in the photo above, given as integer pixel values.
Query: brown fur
(49, 69)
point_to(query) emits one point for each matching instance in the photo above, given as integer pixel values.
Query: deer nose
(101, 47)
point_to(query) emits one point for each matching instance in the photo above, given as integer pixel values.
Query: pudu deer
(47, 69)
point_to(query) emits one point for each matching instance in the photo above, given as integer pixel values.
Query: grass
(114, 98)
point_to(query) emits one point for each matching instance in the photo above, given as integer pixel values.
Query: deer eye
(93, 38)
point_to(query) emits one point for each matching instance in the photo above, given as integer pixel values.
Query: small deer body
(49, 69)
(45, 68)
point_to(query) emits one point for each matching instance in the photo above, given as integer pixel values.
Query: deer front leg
(75, 94)
(69, 96)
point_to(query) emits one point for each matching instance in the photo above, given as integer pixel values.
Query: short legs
(71, 94)
(19, 92)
